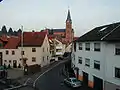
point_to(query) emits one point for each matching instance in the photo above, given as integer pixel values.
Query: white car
(73, 82)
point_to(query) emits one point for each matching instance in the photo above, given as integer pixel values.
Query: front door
(14, 64)
(85, 78)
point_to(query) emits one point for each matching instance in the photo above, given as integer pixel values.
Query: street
(2, 86)
(53, 80)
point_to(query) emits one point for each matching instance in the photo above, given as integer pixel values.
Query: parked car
(73, 82)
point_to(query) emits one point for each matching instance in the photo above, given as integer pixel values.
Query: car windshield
(74, 80)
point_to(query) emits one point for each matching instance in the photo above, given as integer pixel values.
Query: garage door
(85, 78)
(98, 83)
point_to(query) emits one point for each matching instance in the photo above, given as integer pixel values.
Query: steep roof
(12, 43)
(109, 32)
(69, 17)
(33, 38)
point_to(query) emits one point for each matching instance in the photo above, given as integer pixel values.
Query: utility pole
(22, 45)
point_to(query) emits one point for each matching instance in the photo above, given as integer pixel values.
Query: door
(1, 62)
(85, 78)
(14, 64)
(98, 83)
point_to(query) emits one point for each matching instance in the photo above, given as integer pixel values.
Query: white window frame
(87, 46)
(79, 60)
(97, 47)
(87, 62)
(80, 45)
(117, 49)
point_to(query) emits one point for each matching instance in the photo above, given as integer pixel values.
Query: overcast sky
(38, 14)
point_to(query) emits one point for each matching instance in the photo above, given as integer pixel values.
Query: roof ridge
(110, 32)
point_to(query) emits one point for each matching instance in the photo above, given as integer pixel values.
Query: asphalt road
(53, 80)
(2, 86)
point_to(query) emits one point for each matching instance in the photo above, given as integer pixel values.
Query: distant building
(35, 48)
(65, 35)
(96, 57)
(57, 48)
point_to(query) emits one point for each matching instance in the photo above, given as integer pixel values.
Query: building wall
(112, 61)
(11, 57)
(92, 55)
(108, 62)
(39, 54)
(59, 33)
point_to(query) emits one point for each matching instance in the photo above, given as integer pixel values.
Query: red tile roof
(33, 38)
(12, 43)
(4, 38)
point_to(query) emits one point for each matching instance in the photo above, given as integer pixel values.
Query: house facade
(35, 49)
(95, 57)
(10, 55)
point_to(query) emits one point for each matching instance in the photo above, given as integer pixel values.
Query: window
(33, 49)
(5, 60)
(9, 61)
(117, 49)
(43, 59)
(97, 64)
(117, 72)
(23, 53)
(7, 52)
(80, 60)
(87, 62)
(75, 46)
(33, 59)
(13, 52)
(80, 46)
(96, 46)
(47, 57)
(43, 49)
(87, 46)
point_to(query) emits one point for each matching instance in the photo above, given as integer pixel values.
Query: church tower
(69, 31)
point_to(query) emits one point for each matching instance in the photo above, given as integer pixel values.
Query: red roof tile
(12, 43)
(33, 38)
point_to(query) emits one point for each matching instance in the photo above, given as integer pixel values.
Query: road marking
(46, 72)
(27, 81)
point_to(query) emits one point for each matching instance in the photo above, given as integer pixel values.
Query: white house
(10, 55)
(57, 48)
(96, 57)
(35, 48)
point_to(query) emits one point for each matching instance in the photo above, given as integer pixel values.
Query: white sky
(38, 14)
